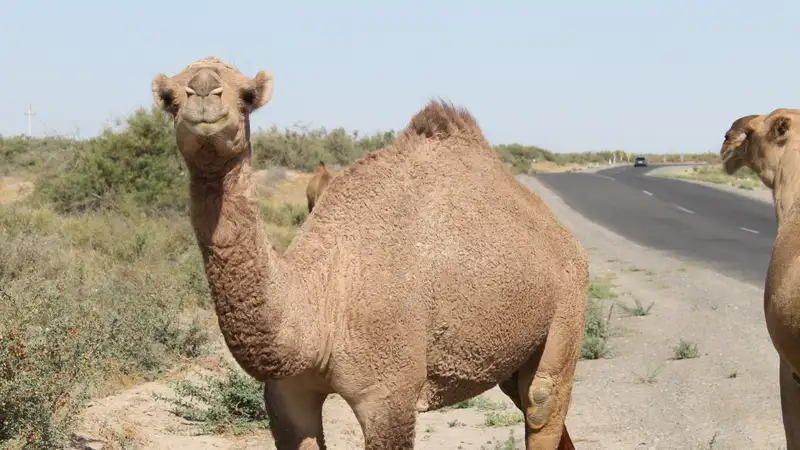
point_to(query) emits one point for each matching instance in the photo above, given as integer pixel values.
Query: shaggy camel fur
(772, 149)
(317, 185)
(427, 276)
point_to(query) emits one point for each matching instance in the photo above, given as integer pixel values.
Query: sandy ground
(639, 398)
(12, 189)
(761, 192)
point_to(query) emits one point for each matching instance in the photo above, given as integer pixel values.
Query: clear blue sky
(649, 76)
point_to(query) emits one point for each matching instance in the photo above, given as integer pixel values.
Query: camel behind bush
(317, 185)
(427, 275)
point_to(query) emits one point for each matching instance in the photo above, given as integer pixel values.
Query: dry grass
(743, 179)
(13, 189)
(95, 303)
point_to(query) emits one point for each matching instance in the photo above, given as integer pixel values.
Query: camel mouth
(205, 127)
(731, 162)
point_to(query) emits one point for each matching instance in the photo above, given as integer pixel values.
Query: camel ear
(780, 126)
(163, 93)
(750, 127)
(259, 92)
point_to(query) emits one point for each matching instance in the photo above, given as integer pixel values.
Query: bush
(597, 329)
(37, 155)
(305, 149)
(232, 402)
(139, 166)
(86, 301)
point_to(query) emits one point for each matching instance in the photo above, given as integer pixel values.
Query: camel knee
(541, 394)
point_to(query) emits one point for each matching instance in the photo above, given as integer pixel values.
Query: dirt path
(639, 398)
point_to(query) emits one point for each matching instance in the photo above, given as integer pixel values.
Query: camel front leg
(295, 415)
(790, 405)
(387, 417)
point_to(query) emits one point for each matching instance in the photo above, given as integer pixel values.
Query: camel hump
(440, 119)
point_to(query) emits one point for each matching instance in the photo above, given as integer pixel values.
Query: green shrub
(597, 329)
(232, 402)
(139, 166)
(306, 148)
(85, 301)
(36, 155)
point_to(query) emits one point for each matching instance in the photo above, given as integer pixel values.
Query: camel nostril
(205, 83)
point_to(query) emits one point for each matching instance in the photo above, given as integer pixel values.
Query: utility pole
(30, 115)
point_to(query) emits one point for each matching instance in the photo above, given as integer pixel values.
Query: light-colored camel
(772, 149)
(316, 186)
(734, 138)
(426, 277)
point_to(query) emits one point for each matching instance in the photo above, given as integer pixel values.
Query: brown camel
(317, 185)
(429, 275)
(772, 149)
(734, 138)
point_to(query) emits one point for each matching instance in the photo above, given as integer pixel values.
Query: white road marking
(647, 192)
(748, 230)
(684, 209)
(604, 176)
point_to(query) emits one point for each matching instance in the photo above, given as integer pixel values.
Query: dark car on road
(640, 161)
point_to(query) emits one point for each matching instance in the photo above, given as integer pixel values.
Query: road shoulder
(761, 193)
(641, 397)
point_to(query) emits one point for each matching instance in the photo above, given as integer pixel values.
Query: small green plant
(685, 350)
(502, 419)
(511, 443)
(232, 402)
(597, 329)
(638, 309)
(651, 375)
(455, 423)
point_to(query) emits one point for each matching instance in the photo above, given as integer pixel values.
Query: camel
(427, 276)
(734, 138)
(317, 185)
(771, 148)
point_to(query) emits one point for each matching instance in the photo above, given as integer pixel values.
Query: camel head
(731, 151)
(767, 138)
(211, 102)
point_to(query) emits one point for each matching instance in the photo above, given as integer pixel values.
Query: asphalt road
(731, 233)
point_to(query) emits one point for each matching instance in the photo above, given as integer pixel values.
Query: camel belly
(782, 313)
(468, 358)
(784, 331)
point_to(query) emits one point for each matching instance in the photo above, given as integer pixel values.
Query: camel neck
(245, 274)
(786, 190)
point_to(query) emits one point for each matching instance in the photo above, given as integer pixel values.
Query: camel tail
(566, 442)
(441, 120)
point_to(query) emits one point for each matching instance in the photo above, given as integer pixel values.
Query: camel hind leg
(790, 406)
(542, 387)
